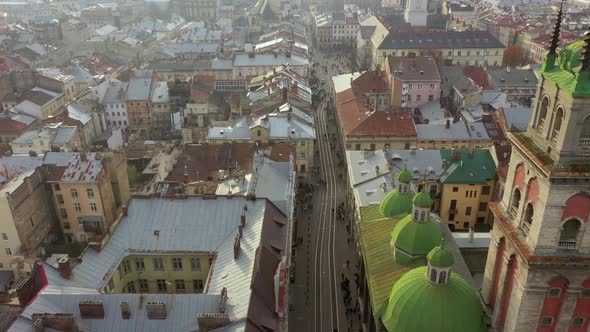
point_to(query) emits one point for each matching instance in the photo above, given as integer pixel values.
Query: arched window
(422, 216)
(416, 214)
(584, 141)
(557, 124)
(399, 188)
(515, 202)
(543, 112)
(569, 234)
(432, 275)
(442, 277)
(528, 217)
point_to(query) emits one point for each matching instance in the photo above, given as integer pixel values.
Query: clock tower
(537, 275)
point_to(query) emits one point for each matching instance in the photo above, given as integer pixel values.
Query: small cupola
(421, 207)
(404, 178)
(440, 261)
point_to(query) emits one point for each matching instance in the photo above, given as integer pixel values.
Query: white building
(115, 104)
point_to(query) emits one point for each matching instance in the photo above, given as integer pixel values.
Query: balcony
(584, 143)
(566, 244)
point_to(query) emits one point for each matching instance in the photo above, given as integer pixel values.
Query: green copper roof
(416, 238)
(381, 269)
(462, 167)
(423, 200)
(395, 204)
(405, 176)
(566, 71)
(441, 256)
(417, 305)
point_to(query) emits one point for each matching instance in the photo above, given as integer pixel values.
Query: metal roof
(82, 168)
(440, 39)
(79, 112)
(266, 60)
(11, 166)
(459, 131)
(160, 92)
(139, 89)
(421, 163)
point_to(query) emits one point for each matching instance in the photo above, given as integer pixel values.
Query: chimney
(223, 300)
(377, 169)
(285, 94)
(83, 156)
(251, 55)
(64, 267)
(237, 247)
(156, 310)
(125, 311)
(444, 165)
(448, 124)
(471, 231)
(295, 88)
(210, 322)
(274, 70)
(58, 322)
(91, 309)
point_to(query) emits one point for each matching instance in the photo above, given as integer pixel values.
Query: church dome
(416, 304)
(422, 200)
(415, 239)
(396, 204)
(441, 256)
(405, 176)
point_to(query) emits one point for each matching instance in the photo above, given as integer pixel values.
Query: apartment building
(115, 104)
(82, 193)
(336, 29)
(38, 102)
(413, 80)
(139, 112)
(51, 137)
(468, 181)
(254, 64)
(195, 9)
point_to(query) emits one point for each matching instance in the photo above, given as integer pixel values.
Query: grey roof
(266, 60)
(139, 89)
(63, 135)
(58, 136)
(458, 131)
(422, 163)
(269, 179)
(440, 39)
(221, 64)
(160, 92)
(450, 74)
(79, 112)
(372, 191)
(23, 118)
(436, 21)
(280, 127)
(506, 77)
(363, 165)
(11, 166)
(58, 158)
(517, 119)
(174, 49)
(240, 130)
(115, 93)
(433, 112)
(181, 65)
(181, 309)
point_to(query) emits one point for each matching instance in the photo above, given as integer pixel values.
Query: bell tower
(537, 276)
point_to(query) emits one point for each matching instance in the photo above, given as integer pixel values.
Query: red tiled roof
(9, 126)
(479, 75)
(359, 119)
(371, 82)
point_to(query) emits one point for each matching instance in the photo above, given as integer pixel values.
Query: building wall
(139, 115)
(191, 9)
(467, 196)
(378, 143)
(122, 277)
(464, 56)
(116, 115)
(437, 145)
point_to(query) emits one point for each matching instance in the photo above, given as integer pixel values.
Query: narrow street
(323, 295)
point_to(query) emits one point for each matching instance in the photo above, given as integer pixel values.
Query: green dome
(441, 256)
(395, 204)
(404, 176)
(422, 200)
(416, 238)
(417, 305)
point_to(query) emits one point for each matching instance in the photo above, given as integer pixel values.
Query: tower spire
(552, 55)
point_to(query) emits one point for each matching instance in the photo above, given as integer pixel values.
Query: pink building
(414, 81)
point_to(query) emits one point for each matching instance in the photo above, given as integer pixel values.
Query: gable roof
(469, 167)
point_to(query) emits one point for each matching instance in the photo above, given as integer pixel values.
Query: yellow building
(164, 273)
(85, 198)
(468, 182)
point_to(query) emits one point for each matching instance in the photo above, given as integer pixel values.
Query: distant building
(53, 137)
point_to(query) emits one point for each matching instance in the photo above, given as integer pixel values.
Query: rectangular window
(485, 190)
(77, 207)
(419, 86)
(130, 287)
(453, 205)
(8, 251)
(418, 97)
(60, 198)
(158, 264)
(483, 207)
(468, 211)
(56, 187)
(357, 147)
(143, 285)
(481, 220)
(5, 236)
(455, 189)
(90, 193)
(258, 132)
(451, 217)
(93, 207)
(197, 285)
(458, 53)
(431, 86)
(126, 267)
(180, 286)
(63, 212)
(466, 224)
(177, 264)
(430, 98)
(74, 193)
(139, 264)
(162, 287)
(196, 264)
(410, 86)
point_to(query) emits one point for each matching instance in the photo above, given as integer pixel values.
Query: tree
(515, 55)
